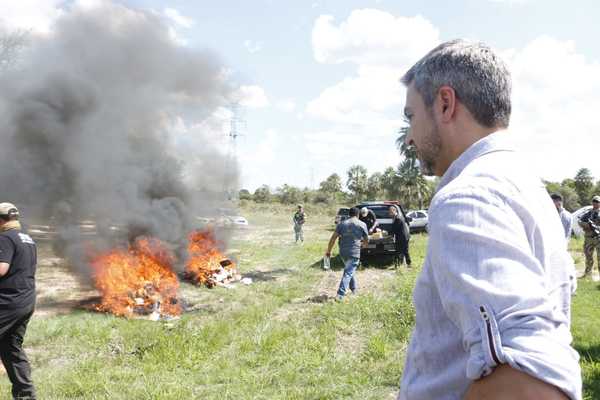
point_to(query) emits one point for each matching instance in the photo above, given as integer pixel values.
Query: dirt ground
(59, 291)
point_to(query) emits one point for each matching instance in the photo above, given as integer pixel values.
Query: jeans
(348, 280)
(13, 324)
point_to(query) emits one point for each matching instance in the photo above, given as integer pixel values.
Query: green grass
(263, 341)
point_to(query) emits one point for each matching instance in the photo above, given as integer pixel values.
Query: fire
(138, 280)
(206, 265)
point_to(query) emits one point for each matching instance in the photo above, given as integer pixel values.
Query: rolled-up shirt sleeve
(497, 292)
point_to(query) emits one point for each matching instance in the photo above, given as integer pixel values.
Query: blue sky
(320, 78)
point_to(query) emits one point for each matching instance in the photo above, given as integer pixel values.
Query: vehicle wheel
(426, 228)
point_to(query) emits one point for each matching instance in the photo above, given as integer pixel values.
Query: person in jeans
(493, 297)
(352, 234)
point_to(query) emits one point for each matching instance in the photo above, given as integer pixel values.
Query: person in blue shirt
(352, 234)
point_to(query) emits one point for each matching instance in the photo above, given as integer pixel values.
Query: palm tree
(405, 150)
(412, 183)
(410, 179)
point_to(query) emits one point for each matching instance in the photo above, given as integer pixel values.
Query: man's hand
(327, 254)
(508, 383)
(4, 268)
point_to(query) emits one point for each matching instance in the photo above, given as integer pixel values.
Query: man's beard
(429, 151)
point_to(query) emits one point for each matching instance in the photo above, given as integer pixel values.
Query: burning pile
(206, 265)
(139, 280)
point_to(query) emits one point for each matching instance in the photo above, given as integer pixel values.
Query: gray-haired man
(492, 301)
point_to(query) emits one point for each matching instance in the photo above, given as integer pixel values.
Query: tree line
(577, 191)
(404, 183)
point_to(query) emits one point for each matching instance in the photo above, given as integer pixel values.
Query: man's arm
(365, 237)
(332, 240)
(6, 253)
(494, 290)
(508, 383)
(375, 222)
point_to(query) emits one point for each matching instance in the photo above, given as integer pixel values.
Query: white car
(419, 222)
(238, 220)
(578, 230)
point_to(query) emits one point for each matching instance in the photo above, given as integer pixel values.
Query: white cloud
(286, 105)
(252, 96)
(555, 103)
(32, 15)
(361, 99)
(555, 93)
(364, 109)
(373, 37)
(382, 46)
(252, 46)
(179, 19)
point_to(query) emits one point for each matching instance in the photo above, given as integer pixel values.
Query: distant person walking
(299, 220)
(352, 233)
(590, 222)
(565, 217)
(18, 259)
(400, 230)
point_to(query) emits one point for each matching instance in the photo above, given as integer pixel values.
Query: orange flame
(204, 259)
(137, 280)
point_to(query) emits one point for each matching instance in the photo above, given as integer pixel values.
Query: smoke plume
(87, 127)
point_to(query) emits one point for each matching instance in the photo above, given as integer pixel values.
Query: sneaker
(339, 298)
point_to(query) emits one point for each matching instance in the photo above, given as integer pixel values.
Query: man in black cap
(18, 259)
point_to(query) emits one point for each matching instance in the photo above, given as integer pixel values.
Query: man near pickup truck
(18, 259)
(369, 218)
(400, 231)
(352, 234)
(493, 297)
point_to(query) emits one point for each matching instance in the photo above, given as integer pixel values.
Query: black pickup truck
(384, 245)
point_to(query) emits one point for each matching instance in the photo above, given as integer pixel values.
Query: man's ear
(447, 103)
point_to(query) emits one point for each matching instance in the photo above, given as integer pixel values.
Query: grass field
(279, 338)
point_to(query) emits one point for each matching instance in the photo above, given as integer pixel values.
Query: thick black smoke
(86, 127)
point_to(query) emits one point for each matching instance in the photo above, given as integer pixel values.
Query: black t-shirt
(369, 219)
(17, 287)
(398, 229)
